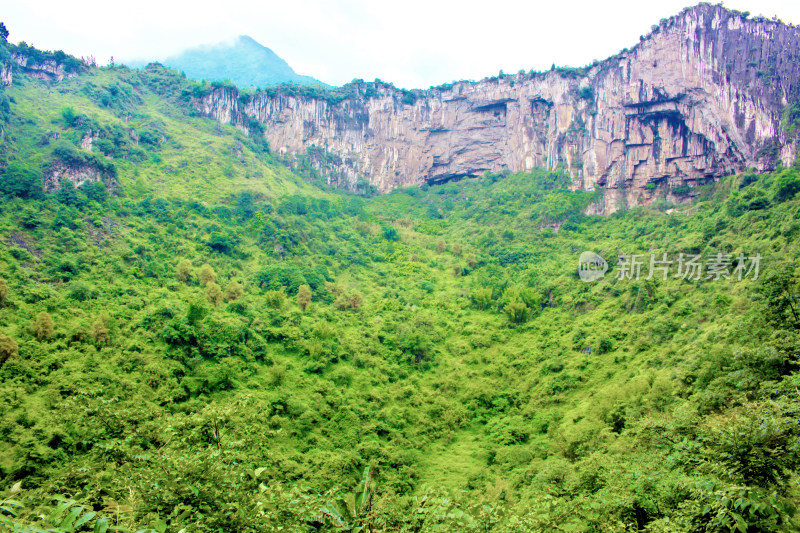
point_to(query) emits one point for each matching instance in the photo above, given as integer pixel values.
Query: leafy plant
(353, 514)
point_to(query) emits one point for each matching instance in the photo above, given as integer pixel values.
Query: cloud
(414, 43)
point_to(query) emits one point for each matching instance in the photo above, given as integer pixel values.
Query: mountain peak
(246, 39)
(244, 61)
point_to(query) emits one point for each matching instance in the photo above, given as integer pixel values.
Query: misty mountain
(244, 61)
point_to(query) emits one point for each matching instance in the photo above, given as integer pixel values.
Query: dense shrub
(21, 180)
(786, 185)
(44, 326)
(8, 348)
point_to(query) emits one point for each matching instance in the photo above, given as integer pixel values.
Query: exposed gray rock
(48, 69)
(699, 98)
(88, 140)
(58, 171)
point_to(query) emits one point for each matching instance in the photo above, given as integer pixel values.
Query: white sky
(412, 43)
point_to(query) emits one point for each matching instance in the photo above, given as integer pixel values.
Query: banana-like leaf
(335, 516)
(101, 526)
(363, 495)
(10, 507)
(82, 520)
(344, 510)
(60, 508)
(69, 520)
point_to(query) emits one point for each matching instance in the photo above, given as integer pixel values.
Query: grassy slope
(171, 415)
(199, 158)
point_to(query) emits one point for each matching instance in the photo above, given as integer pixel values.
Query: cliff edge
(702, 96)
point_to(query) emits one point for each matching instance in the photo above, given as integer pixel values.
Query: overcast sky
(412, 43)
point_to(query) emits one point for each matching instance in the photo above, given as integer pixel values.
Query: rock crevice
(701, 97)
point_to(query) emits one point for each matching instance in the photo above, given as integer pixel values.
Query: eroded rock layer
(701, 97)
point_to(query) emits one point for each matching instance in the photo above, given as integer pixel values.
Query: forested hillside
(202, 337)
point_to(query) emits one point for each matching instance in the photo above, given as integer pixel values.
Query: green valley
(198, 334)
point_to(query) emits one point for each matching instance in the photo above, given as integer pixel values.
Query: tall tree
(206, 274)
(303, 297)
(44, 326)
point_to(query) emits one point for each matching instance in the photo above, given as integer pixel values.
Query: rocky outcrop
(58, 171)
(37, 64)
(78, 167)
(701, 97)
(88, 139)
(5, 75)
(44, 69)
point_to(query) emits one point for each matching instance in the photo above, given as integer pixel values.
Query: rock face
(701, 97)
(88, 140)
(5, 75)
(46, 69)
(57, 171)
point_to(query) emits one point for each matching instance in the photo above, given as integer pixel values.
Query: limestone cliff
(46, 69)
(42, 65)
(58, 171)
(5, 75)
(699, 98)
(78, 166)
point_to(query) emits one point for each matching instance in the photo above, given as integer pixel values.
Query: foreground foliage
(204, 348)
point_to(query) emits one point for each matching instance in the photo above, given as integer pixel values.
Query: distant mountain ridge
(245, 62)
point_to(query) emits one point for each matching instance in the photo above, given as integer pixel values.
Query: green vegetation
(211, 343)
(790, 121)
(335, 95)
(34, 57)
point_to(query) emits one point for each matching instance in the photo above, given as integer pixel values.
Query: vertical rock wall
(701, 97)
